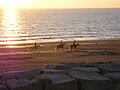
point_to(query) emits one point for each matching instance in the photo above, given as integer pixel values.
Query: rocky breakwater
(65, 76)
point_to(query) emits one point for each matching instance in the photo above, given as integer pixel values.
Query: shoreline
(54, 41)
(16, 58)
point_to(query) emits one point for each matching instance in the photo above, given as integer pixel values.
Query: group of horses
(71, 47)
(60, 46)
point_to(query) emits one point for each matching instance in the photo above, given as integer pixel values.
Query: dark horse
(35, 47)
(60, 46)
(74, 45)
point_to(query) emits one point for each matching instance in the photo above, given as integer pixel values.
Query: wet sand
(14, 58)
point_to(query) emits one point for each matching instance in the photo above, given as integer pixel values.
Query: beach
(24, 56)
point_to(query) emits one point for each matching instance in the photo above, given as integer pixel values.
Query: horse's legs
(76, 48)
(70, 48)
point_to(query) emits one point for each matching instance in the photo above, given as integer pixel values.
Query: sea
(49, 25)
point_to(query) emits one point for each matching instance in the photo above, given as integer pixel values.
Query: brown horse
(60, 46)
(73, 46)
(34, 48)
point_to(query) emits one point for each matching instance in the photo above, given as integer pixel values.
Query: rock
(56, 67)
(33, 85)
(58, 82)
(24, 74)
(73, 65)
(65, 68)
(107, 67)
(29, 74)
(116, 78)
(49, 66)
(87, 69)
(3, 87)
(118, 87)
(91, 81)
(56, 71)
(15, 84)
(23, 84)
(113, 76)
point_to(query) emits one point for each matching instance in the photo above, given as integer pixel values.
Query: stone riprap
(116, 79)
(91, 81)
(107, 67)
(3, 87)
(24, 74)
(58, 82)
(15, 84)
(58, 68)
(65, 76)
(86, 69)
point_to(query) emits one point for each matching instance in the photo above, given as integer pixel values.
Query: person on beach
(74, 42)
(35, 46)
(35, 43)
(61, 42)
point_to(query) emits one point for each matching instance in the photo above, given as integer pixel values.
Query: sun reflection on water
(10, 21)
(11, 25)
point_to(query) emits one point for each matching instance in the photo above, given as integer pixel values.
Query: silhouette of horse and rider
(60, 46)
(71, 47)
(35, 47)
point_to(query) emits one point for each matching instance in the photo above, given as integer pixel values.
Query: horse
(73, 46)
(60, 46)
(35, 47)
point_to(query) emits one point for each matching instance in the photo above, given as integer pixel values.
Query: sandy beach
(21, 56)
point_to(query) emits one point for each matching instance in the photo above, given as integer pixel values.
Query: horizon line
(68, 8)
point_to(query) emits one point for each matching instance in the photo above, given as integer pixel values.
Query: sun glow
(12, 3)
(59, 4)
(10, 25)
(10, 20)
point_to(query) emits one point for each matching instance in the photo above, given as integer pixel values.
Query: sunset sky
(59, 3)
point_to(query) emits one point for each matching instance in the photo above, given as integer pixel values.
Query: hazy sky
(60, 3)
